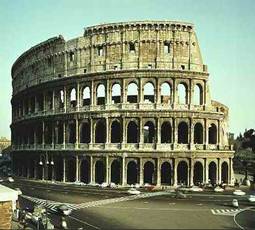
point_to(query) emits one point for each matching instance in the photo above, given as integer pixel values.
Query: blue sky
(225, 29)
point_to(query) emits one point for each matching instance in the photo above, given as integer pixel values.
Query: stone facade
(125, 103)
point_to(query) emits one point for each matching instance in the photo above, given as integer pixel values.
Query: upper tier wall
(116, 46)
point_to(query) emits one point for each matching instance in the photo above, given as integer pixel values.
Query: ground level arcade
(124, 170)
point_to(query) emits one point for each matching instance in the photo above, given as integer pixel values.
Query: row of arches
(132, 172)
(58, 98)
(97, 133)
(166, 94)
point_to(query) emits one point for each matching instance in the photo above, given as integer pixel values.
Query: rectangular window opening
(167, 48)
(131, 47)
(100, 50)
(71, 56)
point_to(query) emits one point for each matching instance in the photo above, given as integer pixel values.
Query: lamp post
(47, 163)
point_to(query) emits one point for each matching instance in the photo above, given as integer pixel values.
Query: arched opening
(148, 176)
(39, 171)
(115, 172)
(84, 171)
(224, 172)
(59, 169)
(182, 93)
(132, 172)
(116, 93)
(100, 172)
(116, 132)
(132, 132)
(148, 92)
(198, 95)
(61, 99)
(47, 133)
(59, 136)
(70, 169)
(72, 133)
(149, 132)
(100, 136)
(166, 173)
(182, 173)
(166, 132)
(85, 133)
(183, 133)
(86, 96)
(198, 133)
(212, 172)
(73, 101)
(31, 168)
(101, 94)
(212, 134)
(198, 173)
(132, 93)
(165, 93)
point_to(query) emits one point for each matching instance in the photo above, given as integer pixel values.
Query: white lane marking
(52, 204)
(225, 212)
(84, 222)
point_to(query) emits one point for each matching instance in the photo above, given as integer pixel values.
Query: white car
(133, 191)
(104, 185)
(251, 198)
(19, 191)
(113, 185)
(1, 180)
(10, 179)
(63, 209)
(196, 189)
(235, 203)
(218, 189)
(239, 192)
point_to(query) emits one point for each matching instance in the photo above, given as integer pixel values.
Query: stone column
(140, 91)
(77, 171)
(92, 136)
(77, 133)
(141, 141)
(107, 178)
(53, 101)
(64, 134)
(191, 93)
(124, 179)
(158, 91)
(191, 132)
(230, 171)
(174, 93)
(219, 171)
(175, 132)
(206, 137)
(78, 96)
(124, 131)
(92, 94)
(123, 92)
(108, 90)
(141, 171)
(43, 134)
(108, 130)
(175, 182)
(191, 174)
(158, 172)
(64, 170)
(206, 171)
(218, 133)
(158, 131)
(92, 171)
(65, 100)
(205, 93)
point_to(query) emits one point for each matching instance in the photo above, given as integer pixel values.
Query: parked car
(104, 185)
(196, 189)
(239, 192)
(10, 179)
(218, 189)
(251, 198)
(133, 191)
(1, 179)
(180, 195)
(63, 209)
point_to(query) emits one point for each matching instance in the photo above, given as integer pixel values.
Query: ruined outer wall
(51, 59)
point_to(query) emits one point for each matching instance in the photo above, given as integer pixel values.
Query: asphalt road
(97, 208)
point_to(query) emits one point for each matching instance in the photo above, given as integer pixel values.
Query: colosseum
(126, 103)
